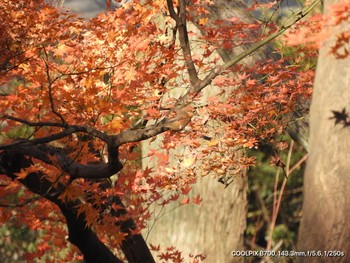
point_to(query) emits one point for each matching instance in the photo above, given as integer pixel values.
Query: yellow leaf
(115, 125)
(203, 21)
(213, 142)
(130, 75)
(25, 67)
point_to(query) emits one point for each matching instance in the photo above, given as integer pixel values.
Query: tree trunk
(216, 227)
(326, 207)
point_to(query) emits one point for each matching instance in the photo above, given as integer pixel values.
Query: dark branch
(69, 129)
(42, 140)
(34, 124)
(181, 25)
(79, 233)
(172, 12)
(58, 157)
(133, 246)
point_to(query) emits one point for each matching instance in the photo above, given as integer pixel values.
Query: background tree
(217, 224)
(326, 189)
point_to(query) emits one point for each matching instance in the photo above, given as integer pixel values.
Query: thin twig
(274, 211)
(68, 130)
(34, 124)
(277, 201)
(289, 157)
(50, 82)
(295, 166)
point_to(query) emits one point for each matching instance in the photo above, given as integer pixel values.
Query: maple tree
(77, 97)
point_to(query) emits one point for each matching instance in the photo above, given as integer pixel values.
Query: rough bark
(326, 208)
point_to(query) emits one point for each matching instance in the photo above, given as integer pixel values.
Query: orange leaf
(185, 201)
(203, 21)
(197, 200)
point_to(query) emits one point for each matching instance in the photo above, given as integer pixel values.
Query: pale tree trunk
(326, 209)
(216, 227)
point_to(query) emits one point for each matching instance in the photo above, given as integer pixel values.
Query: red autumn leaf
(185, 201)
(197, 200)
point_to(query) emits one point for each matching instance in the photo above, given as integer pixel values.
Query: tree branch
(50, 88)
(69, 129)
(197, 84)
(172, 12)
(79, 234)
(37, 124)
(181, 25)
(133, 246)
(131, 135)
(43, 140)
(55, 156)
(290, 21)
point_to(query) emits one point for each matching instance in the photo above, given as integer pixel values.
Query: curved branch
(93, 249)
(132, 135)
(68, 130)
(47, 139)
(289, 22)
(55, 156)
(172, 12)
(50, 82)
(134, 246)
(32, 124)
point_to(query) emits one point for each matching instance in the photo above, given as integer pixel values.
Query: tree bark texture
(326, 208)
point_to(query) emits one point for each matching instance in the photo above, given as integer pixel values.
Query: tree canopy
(78, 96)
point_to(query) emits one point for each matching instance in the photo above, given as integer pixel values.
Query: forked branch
(181, 24)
